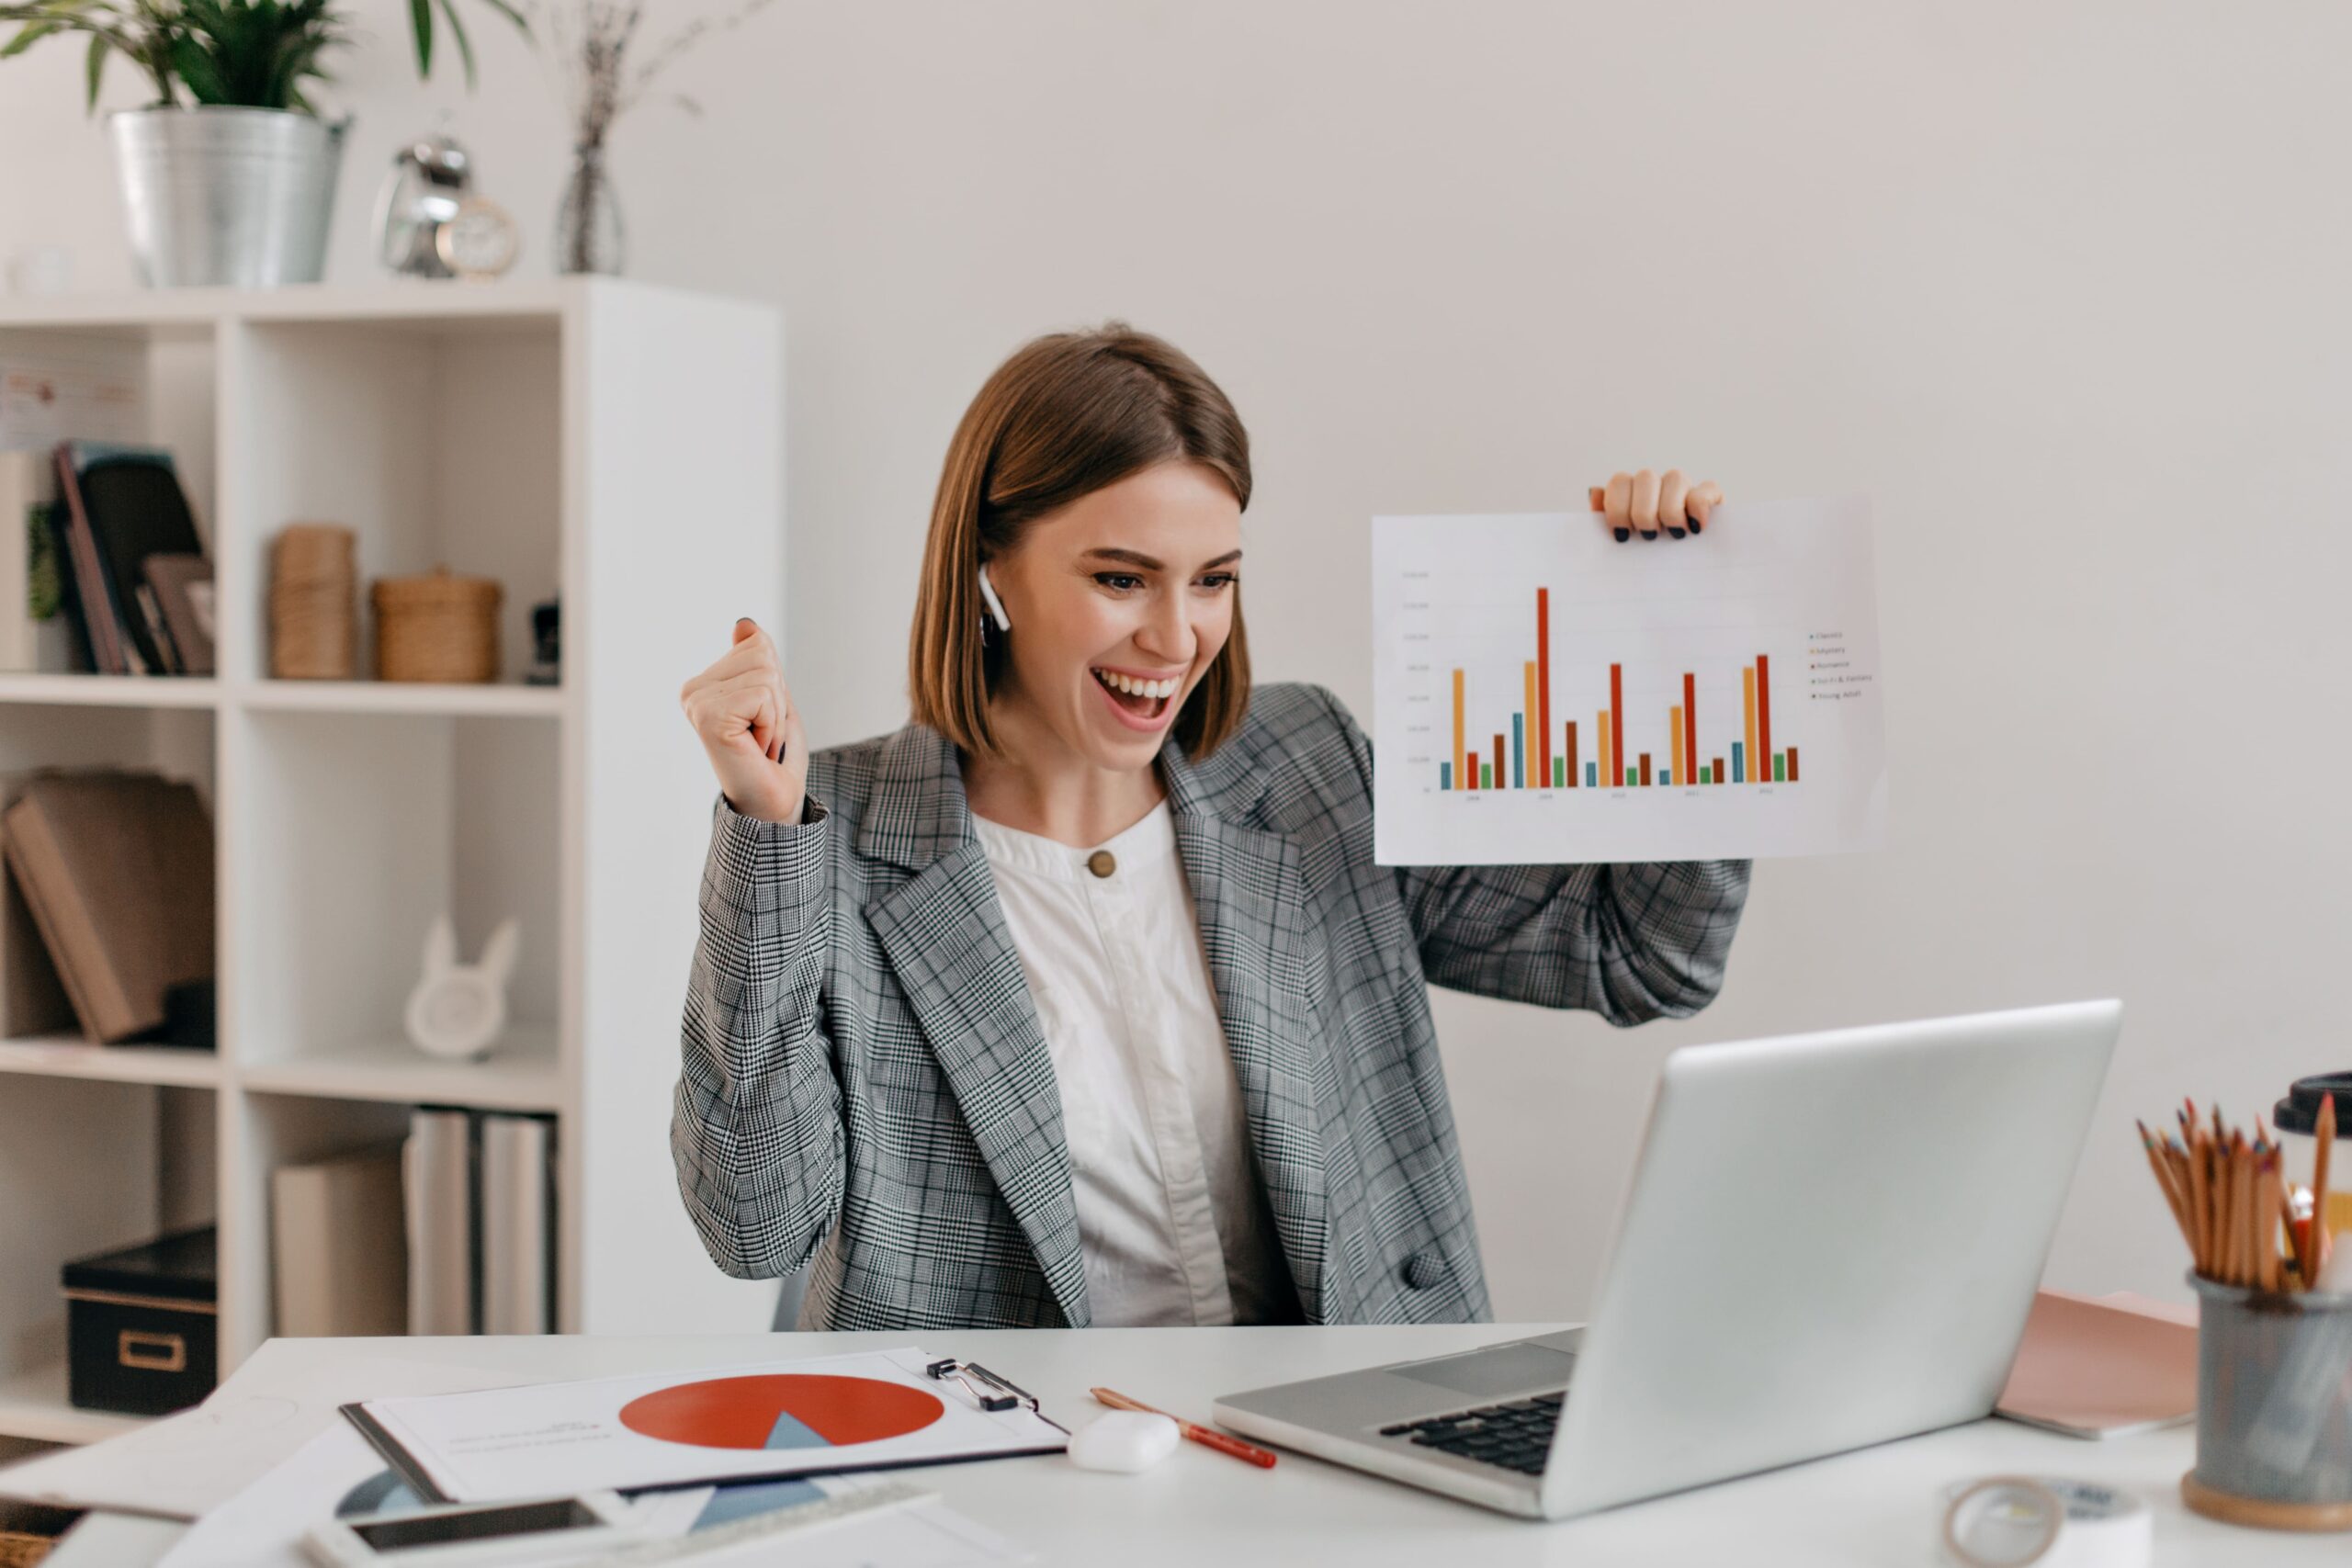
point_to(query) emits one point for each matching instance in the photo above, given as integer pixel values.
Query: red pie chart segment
(783, 1410)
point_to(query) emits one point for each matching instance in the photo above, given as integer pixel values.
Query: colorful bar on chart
(1518, 751)
(1543, 678)
(1538, 770)
(1602, 751)
(1592, 776)
(1738, 763)
(1501, 779)
(1445, 776)
(1793, 764)
(1688, 769)
(1674, 743)
(1458, 752)
(1559, 772)
(1645, 769)
(1486, 776)
(1570, 755)
(1748, 709)
(1719, 771)
(1780, 767)
(1617, 713)
(1763, 706)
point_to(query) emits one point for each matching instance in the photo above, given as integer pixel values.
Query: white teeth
(1136, 688)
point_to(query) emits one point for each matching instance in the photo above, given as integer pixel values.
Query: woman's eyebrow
(1137, 558)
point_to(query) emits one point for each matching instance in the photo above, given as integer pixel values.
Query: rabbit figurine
(458, 1011)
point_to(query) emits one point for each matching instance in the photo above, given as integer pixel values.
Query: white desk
(1869, 1508)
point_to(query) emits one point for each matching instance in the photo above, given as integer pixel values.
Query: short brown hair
(1066, 415)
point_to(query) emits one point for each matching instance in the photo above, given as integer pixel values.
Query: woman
(1080, 999)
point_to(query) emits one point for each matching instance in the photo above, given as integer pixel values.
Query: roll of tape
(2047, 1521)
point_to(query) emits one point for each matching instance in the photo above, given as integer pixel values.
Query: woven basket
(437, 628)
(19, 1550)
(313, 605)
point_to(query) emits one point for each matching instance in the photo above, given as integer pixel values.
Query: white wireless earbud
(995, 605)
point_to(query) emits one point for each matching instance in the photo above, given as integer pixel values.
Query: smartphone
(495, 1535)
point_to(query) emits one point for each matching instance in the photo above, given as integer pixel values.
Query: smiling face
(1119, 602)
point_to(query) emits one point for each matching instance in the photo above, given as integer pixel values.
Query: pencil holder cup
(2274, 1408)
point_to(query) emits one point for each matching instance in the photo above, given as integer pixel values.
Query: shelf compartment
(435, 443)
(461, 817)
(488, 701)
(33, 1405)
(522, 1073)
(70, 1056)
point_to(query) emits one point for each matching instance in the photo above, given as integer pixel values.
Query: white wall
(2063, 286)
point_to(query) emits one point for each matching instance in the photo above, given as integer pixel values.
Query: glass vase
(589, 237)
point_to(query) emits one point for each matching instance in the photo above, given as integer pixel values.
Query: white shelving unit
(616, 443)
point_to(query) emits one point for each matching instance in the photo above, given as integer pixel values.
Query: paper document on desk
(185, 1465)
(338, 1475)
(1546, 695)
(870, 1410)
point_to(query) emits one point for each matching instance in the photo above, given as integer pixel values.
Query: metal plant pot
(227, 195)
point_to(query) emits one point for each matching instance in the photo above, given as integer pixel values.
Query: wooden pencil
(2321, 1242)
(2200, 1199)
(2162, 1167)
(2266, 1214)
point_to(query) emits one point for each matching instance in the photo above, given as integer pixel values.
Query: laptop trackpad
(1491, 1374)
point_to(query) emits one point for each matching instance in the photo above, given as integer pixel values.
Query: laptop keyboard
(1516, 1434)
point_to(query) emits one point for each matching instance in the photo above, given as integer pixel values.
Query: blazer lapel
(946, 936)
(1265, 959)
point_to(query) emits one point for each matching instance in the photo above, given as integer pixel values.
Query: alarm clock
(430, 179)
(480, 242)
(458, 1011)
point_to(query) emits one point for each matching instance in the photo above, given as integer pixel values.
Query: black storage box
(142, 1326)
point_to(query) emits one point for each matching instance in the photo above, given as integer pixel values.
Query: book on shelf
(480, 1189)
(437, 1175)
(32, 996)
(330, 1225)
(116, 870)
(34, 633)
(517, 1225)
(122, 505)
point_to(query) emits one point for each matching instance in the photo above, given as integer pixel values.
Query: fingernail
(1696, 525)
(1624, 535)
(1675, 532)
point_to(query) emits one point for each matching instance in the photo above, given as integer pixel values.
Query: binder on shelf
(123, 504)
(437, 1176)
(116, 870)
(517, 1225)
(337, 1261)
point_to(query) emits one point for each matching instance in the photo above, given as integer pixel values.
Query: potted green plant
(228, 178)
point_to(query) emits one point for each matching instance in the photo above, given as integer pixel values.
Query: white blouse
(1171, 1211)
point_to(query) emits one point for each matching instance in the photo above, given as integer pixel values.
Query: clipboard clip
(989, 1391)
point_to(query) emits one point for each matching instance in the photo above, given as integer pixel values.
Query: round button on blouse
(1102, 863)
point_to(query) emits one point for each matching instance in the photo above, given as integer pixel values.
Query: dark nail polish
(1696, 525)
(1675, 532)
(1624, 535)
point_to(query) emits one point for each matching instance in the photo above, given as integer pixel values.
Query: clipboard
(831, 1415)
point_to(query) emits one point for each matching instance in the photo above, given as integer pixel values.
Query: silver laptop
(1832, 1241)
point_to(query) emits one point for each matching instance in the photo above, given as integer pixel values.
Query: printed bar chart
(1533, 766)
(1696, 672)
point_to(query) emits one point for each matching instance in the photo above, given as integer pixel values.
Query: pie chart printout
(781, 1411)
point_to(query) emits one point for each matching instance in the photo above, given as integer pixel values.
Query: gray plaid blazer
(867, 1086)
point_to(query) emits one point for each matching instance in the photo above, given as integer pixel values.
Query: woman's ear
(995, 605)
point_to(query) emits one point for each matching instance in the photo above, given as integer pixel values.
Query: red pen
(1205, 1436)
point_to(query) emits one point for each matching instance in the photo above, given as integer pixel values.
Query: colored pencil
(1205, 1436)
(2322, 1240)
